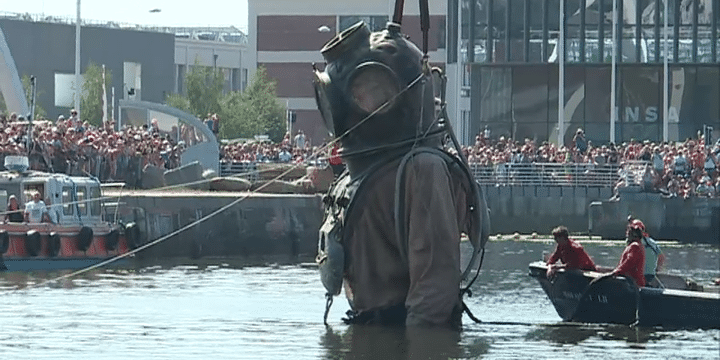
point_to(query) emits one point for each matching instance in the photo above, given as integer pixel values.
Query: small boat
(678, 304)
(79, 238)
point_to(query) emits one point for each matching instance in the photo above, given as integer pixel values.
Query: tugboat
(75, 236)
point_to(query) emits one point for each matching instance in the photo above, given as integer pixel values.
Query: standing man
(299, 140)
(393, 221)
(570, 254)
(35, 210)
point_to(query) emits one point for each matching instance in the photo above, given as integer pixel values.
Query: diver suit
(394, 219)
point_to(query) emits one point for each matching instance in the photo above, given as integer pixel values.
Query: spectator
(579, 142)
(300, 140)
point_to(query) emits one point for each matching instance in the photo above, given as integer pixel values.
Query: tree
(204, 89)
(91, 108)
(178, 101)
(256, 111)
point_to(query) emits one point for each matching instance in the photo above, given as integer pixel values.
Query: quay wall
(258, 224)
(528, 209)
(277, 224)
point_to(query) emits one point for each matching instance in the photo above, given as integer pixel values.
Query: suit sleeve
(433, 243)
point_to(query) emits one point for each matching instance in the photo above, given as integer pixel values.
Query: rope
(328, 304)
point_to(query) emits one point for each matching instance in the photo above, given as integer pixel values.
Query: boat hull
(51, 264)
(617, 300)
(57, 247)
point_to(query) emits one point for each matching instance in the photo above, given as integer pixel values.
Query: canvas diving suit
(393, 220)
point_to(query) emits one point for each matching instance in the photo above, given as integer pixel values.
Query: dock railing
(546, 174)
(243, 169)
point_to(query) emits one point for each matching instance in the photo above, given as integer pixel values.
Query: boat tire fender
(33, 243)
(132, 235)
(53, 244)
(84, 238)
(4, 241)
(111, 240)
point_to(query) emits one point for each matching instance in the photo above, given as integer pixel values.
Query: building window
(244, 79)
(235, 80)
(180, 79)
(374, 23)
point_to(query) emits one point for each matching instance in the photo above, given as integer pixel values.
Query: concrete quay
(257, 224)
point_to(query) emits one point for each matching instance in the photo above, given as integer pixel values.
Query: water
(273, 309)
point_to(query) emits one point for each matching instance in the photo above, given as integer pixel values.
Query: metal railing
(546, 174)
(246, 170)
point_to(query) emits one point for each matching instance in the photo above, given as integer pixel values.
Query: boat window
(81, 197)
(67, 200)
(95, 205)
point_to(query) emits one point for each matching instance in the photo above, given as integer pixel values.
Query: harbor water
(273, 309)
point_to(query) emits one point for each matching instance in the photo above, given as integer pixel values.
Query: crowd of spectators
(674, 169)
(79, 148)
(296, 149)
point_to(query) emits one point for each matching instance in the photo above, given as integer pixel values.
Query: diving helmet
(375, 95)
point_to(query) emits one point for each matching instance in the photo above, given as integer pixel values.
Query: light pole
(613, 75)
(78, 86)
(561, 76)
(666, 96)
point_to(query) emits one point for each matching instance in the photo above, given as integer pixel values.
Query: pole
(33, 93)
(613, 74)
(77, 62)
(561, 77)
(666, 96)
(458, 88)
(112, 106)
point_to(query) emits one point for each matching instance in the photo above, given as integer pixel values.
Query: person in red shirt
(570, 253)
(632, 261)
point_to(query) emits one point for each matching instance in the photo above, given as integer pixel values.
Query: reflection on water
(374, 342)
(273, 307)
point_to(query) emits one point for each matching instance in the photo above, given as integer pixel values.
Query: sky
(211, 13)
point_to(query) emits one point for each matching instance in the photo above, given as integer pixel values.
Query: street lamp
(77, 62)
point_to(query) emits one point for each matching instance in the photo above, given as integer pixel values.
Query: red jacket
(572, 255)
(632, 263)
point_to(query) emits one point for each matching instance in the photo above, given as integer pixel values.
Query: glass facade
(520, 101)
(514, 55)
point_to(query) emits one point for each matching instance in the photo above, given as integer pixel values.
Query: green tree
(92, 91)
(256, 111)
(178, 101)
(204, 86)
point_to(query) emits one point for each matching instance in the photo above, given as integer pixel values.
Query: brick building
(285, 37)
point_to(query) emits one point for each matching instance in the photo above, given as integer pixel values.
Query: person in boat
(654, 257)
(13, 212)
(568, 252)
(391, 233)
(632, 261)
(35, 210)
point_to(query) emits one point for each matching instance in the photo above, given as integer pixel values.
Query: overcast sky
(190, 13)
